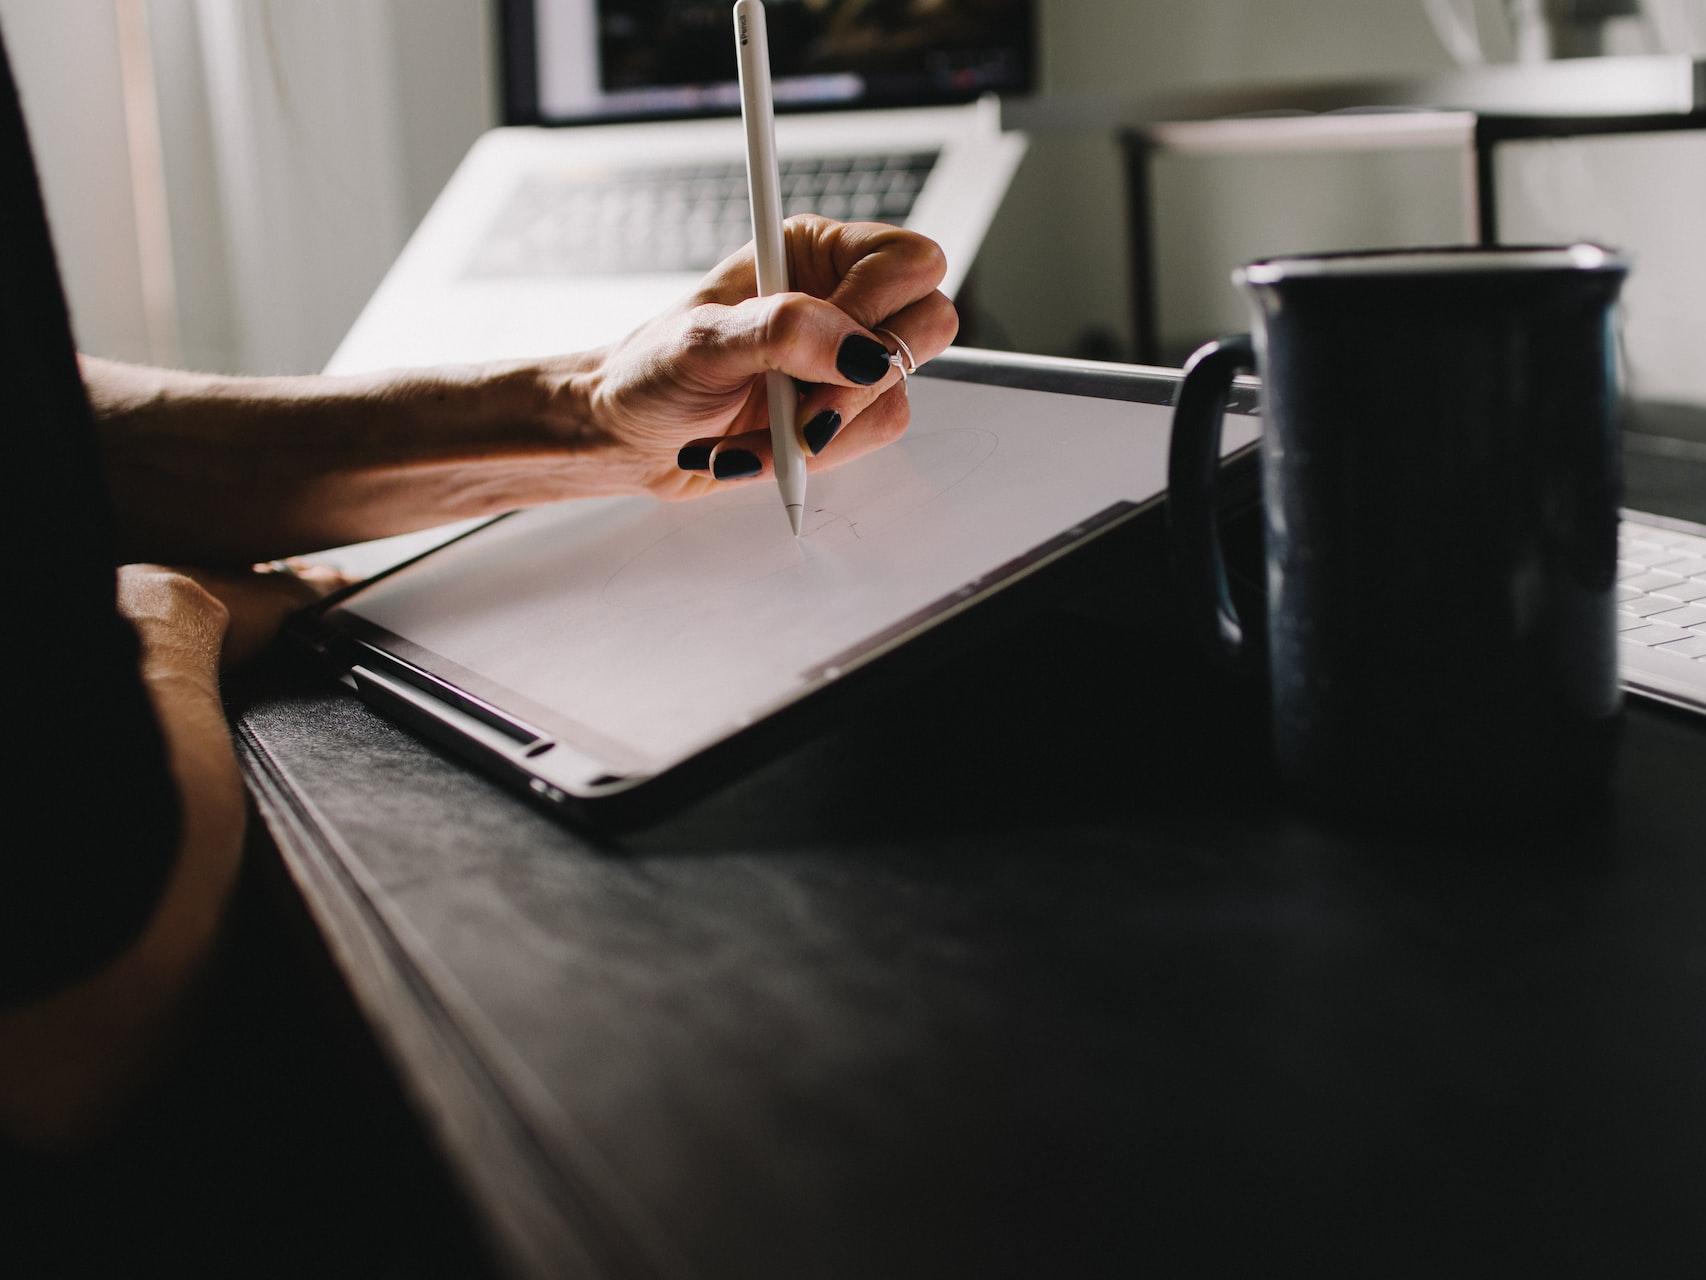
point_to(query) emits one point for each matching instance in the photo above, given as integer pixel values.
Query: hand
(680, 403)
(664, 411)
(71, 1061)
(217, 619)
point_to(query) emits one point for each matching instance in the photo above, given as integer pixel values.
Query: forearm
(70, 1062)
(216, 470)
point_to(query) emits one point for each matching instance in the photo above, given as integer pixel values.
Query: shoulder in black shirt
(91, 813)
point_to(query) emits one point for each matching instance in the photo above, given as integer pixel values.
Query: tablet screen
(639, 632)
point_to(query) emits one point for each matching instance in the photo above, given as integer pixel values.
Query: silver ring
(905, 350)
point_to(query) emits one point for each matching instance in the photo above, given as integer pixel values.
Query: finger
(299, 582)
(738, 457)
(747, 456)
(809, 240)
(792, 333)
(881, 423)
(868, 269)
(883, 270)
(696, 454)
(927, 327)
(320, 580)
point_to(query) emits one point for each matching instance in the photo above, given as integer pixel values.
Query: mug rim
(1432, 261)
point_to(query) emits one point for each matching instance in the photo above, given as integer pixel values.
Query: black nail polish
(733, 464)
(862, 360)
(821, 430)
(693, 457)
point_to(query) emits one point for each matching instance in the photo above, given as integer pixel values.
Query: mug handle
(1193, 463)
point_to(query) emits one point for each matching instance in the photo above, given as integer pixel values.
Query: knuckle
(930, 258)
(702, 330)
(916, 258)
(167, 594)
(944, 315)
(893, 424)
(191, 597)
(789, 317)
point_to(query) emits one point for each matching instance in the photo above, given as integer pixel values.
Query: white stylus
(752, 47)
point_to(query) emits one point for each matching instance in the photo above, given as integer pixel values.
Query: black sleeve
(91, 821)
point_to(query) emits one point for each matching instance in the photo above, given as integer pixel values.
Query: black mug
(1440, 483)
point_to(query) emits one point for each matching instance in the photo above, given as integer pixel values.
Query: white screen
(659, 58)
(659, 629)
(570, 85)
(567, 33)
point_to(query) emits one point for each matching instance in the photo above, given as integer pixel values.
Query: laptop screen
(579, 61)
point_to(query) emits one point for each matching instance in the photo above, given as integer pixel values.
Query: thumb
(259, 602)
(300, 583)
(792, 333)
(321, 580)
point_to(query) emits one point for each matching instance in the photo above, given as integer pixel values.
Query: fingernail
(732, 464)
(693, 457)
(821, 430)
(862, 360)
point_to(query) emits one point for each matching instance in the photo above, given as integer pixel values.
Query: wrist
(503, 410)
(553, 402)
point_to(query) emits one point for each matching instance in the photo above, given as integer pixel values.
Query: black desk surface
(1058, 990)
(1024, 969)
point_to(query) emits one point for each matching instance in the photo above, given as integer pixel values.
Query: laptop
(619, 177)
(1661, 609)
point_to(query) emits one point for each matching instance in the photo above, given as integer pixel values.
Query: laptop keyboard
(1661, 608)
(680, 218)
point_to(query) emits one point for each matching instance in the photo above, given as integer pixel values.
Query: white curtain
(66, 60)
(303, 141)
(228, 179)
(304, 132)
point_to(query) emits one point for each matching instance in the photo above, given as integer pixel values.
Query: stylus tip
(796, 513)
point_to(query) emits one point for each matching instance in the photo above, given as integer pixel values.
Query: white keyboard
(1661, 609)
(684, 218)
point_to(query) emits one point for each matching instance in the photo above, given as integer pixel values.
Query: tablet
(591, 649)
